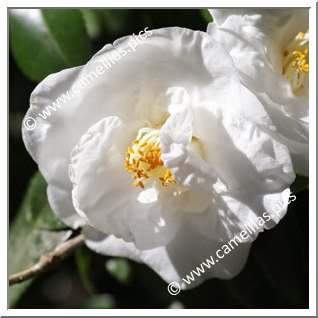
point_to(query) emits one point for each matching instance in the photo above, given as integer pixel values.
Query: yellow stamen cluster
(296, 60)
(144, 159)
(301, 61)
(167, 178)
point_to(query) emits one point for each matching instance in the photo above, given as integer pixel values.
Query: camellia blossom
(270, 48)
(155, 159)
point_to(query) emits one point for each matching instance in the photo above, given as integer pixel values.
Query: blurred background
(276, 273)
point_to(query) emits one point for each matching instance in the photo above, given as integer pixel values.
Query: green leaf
(301, 183)
(113, 19)
(31, 45)
(119, 268)
(47, 41)
(27, 241)
(38, 208)
(206, 15)
(83, 262)
(68, 31)
(93, 22)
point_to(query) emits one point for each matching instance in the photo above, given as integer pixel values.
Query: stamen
(148, 159)
(296, 60)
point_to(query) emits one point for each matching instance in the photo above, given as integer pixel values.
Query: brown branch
(48, 260)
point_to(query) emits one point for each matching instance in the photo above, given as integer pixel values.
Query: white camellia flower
(270, 48)
(155, 160)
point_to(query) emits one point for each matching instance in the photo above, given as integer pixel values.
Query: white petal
(292, 123)
(292, 120)
(265, 29)
(109, 245)
(159, 63)
(104, 192)
(255, 39)
(249, 163)
(143, 77)
(51, 140)
(289, 125)
(61, 203)
(186, 165)
(175, 261)
(241, 153)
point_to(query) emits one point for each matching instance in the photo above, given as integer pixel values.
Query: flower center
(143, 159)
(296, 60)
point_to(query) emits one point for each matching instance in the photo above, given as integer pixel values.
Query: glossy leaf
(68, 31)
(38, 208)
(93, 22)
(48, 40)
(27, 241)
(206, 15)
(119, 268)
(83, 262)
(31, 44)
(114, 20)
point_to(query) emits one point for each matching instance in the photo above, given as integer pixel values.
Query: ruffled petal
(76, 98)
(249, 36)
(267, 31)
(180, 152)
(174, 262)
(256, 40)
(186, 165)
(61, 203)
(194, 93)
(249, 164)
(51, 140)
(103, 190)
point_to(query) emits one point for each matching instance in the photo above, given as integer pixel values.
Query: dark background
(275, 276)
